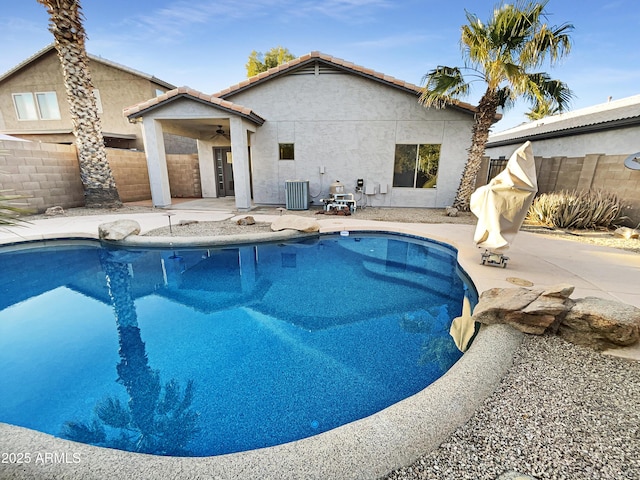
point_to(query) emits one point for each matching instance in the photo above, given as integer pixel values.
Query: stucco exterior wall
(348, 126)
(42, 75)
(621, 141)
(117, 88)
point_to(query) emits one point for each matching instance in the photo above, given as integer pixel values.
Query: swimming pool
(242, 347)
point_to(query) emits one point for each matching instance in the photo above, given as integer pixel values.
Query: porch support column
(240, 155)
(156, 162)
(207, 169)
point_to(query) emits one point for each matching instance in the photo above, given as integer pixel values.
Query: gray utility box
(297, 194)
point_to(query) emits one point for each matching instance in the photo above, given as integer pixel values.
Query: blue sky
(205, 44)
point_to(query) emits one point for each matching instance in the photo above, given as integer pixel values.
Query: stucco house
(33, 100)
(588, 148)
(316, 119)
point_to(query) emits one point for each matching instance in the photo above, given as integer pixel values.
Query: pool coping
(364, 449)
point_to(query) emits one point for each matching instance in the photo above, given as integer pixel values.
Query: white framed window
(48, 105)
(25, 106)
(36, 106)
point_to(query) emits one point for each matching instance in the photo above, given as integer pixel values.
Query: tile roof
(338, 63)
(139, 109)
(94, 58)
(604, 116)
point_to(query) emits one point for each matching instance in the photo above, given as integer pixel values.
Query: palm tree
(155, 420)
(65, 23)
(504, 53)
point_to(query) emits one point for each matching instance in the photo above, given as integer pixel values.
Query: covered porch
(223, 132)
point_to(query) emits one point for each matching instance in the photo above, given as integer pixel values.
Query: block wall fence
(605, 172)
(49, 175)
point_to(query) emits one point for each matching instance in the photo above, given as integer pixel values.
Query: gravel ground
(561, 412)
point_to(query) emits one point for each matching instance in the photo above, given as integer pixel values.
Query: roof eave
(348, 67)
(130, 70)
(95, 58)
(567, 132)
(26, 62)
(251, 116)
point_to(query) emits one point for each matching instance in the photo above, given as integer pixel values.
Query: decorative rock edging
(118, 230)
(295, 222)
(125, 232)
(238, 239)
(590, 321)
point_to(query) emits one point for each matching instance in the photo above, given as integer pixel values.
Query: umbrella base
(494, 259)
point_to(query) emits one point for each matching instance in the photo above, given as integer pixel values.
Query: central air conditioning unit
(297, 194)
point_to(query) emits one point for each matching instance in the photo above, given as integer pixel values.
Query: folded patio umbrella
(501, 206)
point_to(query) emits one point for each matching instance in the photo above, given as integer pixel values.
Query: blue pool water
(201, 352)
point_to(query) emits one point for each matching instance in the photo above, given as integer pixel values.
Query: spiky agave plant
(577, 210)
(10, 211)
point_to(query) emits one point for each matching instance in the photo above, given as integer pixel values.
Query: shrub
(576, 210)
(10, 210)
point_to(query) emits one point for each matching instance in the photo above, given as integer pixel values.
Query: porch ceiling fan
(220, 133)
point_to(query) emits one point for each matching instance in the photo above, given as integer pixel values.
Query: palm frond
(553, 43)
(510, 25)
(443, 86)
(474, 41)
(506, 99)
(547, 94)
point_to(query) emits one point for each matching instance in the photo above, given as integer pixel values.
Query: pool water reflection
(208, 351)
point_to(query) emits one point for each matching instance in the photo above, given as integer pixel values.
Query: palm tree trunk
(69, 35)
(484, 118)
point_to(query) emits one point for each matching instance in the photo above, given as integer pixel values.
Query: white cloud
(175, 20)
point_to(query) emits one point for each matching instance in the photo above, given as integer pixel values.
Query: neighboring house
(611, 128)
(317, 119)
(582, 149)
(33, 102)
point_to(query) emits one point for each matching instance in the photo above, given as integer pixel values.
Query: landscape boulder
(54, 211)
(601, 323)
(626, 232)
(451, 211)
(528, 310)
(590, 321)
(248, 220)
(118, 230)
(295, 222)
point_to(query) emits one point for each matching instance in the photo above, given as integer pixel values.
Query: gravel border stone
(561, 412)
